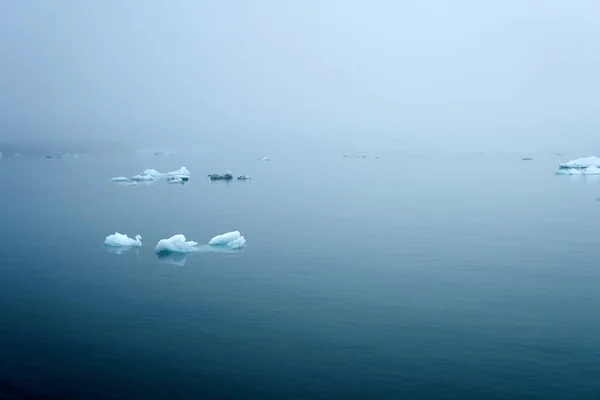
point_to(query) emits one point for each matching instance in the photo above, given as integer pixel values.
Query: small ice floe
(142, 178)
(120, 240)
(120, 179)
(176, 244)
(264, 159)
(232, 240)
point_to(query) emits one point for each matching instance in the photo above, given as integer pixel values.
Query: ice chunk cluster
(179, 176)
(232, 240)
(120, 240)
(176, 244)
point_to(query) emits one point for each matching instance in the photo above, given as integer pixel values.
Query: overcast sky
(462, 74)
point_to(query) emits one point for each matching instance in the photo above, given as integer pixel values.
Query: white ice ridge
(582, 163)
(142, 178)
(120, 240)
(175, 244)
(233, 240)
(593, 170)
(119, 179)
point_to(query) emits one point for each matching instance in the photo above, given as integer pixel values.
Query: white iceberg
(175, 244)
(582, 163)
(232, 240)
(120, 240)
(120, 179)
(153, 173)
(142, 178)
(593, 170)
(573, 171)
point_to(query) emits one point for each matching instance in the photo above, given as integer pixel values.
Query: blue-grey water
(408, 276)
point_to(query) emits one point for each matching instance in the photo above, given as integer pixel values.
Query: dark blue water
(465, 277)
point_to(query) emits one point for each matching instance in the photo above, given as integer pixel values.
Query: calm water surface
(465, 277)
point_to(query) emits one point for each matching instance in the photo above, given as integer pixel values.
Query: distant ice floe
(580, 166)
(581, 162)
(176, 244)
(264, 159)
(120, 179)
(232, 240)
(120, 240)
(142, 178)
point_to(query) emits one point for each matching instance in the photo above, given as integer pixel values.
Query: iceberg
(120, 179)
(582, 163)
(593, 170)
(175, 244)
(143, 178)
(232, 240)
(574, 171)
(120, 240)
(153, 173)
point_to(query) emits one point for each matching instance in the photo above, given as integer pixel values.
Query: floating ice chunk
(573, 171)
(153, 173)
(264, 159)
(120, 179)
(563, 171)
(225, 177)
(175, 244)
(142, 178)
(120, 240)
(582, 162)
(233, 240)
(593, 170)
(181, 171)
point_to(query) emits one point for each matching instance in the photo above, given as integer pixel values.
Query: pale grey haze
(436, 74)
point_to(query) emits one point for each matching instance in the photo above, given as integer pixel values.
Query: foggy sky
(460, 74)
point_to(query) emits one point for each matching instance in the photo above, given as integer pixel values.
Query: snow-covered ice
(582, 162)
(120, 179)
(142, 178)
(175, 244)
(120, 240)
(593, 170)
(233, 240)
